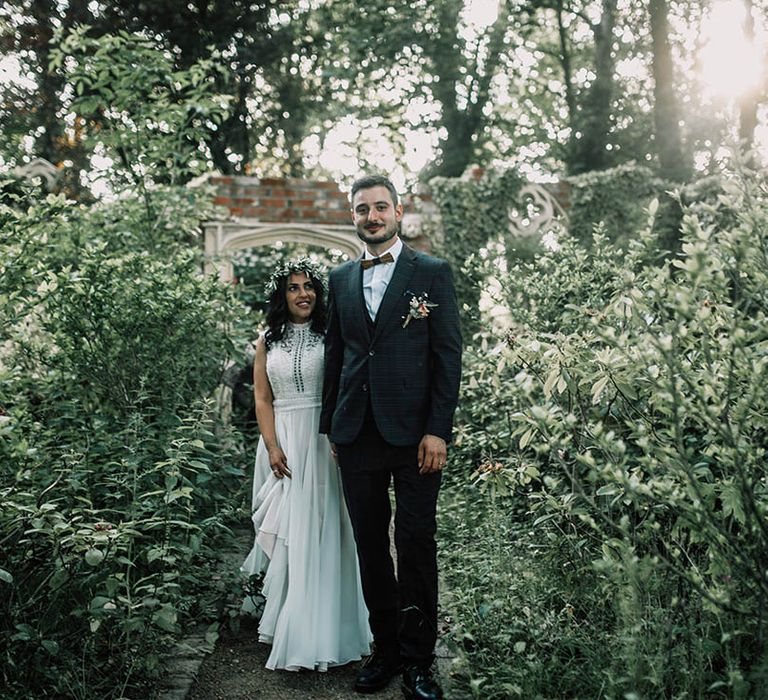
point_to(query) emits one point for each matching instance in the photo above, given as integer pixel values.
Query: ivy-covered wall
(618, 198)
(473, 212)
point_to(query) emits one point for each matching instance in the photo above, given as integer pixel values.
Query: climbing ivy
(618, 198)
(473, 213)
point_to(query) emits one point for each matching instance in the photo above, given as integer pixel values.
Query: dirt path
(235, 671)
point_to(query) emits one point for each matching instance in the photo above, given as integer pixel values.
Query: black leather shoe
(418, 684)
(377, 671)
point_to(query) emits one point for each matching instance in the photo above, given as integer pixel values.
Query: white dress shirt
(376, 279)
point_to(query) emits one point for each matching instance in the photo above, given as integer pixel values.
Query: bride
(314, 616)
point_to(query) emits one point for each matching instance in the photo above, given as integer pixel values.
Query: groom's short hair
(368, 181)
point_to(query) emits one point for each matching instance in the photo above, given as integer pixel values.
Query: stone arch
(224, 237)
(39, 167)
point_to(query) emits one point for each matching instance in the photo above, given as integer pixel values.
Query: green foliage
(152, 117)
(117, 481)
(518, 628)
(473, 213)
(636, 388)
(617, 198)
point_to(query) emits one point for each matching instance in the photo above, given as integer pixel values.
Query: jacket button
(365, 387)
(371, 353)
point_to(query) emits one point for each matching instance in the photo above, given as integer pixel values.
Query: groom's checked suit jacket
(410, 373)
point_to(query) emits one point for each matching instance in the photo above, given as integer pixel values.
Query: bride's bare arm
(265, 413)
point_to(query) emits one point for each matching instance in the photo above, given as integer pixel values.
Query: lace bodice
(295, 368)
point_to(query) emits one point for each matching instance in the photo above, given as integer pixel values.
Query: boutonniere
(420, 306)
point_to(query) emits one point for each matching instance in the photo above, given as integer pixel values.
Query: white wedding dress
(314, 616)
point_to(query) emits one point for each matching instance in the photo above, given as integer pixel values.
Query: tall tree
(595, 117)
(749, 101)
(588, 71)
(464, 75)
(673, 162)
(240, 31)
(441, 60)
(26, 31)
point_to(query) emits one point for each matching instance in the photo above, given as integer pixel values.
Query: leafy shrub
(117, 481)
(473, 212)
(617, 198)
(636, 389)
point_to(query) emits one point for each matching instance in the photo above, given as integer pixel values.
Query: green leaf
(98, 602)
(94, 557)
(552, 379)
(51, 646)
(212, 633)
(597, 389)
(6, 576)
(165, 619)
(58, 578)
(543, 518)
(24, 634)
(732, 502)
(608, 490)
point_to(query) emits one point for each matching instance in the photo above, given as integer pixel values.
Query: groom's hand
(432, 452)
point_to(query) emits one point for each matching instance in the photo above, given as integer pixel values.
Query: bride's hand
(278, 463)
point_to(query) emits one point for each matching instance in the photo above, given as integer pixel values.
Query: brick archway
(262, 211)
(224, 237)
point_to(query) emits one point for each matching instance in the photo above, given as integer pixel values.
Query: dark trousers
(402, 610)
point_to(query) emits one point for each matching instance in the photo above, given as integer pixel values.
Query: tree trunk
(669, 145)
(233, 136)
(749, 101)
(565, 65)
(293, 102)
(462, 125)
(591, 153)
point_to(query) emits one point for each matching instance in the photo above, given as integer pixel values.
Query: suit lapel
(406, 263)
(355, 295)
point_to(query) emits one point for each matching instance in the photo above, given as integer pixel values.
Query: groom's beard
(380, 235)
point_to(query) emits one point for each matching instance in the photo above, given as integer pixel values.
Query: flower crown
(303, 264)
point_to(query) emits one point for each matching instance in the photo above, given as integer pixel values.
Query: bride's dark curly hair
(277, 309)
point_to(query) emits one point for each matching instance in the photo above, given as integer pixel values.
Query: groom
(392, 370)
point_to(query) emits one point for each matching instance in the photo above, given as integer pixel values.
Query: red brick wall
(298, 201)
(283, 201)
(561, 191)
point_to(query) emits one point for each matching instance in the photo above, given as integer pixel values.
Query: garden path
(235, 669)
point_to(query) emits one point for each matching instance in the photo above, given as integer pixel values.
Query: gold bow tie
(386, 258)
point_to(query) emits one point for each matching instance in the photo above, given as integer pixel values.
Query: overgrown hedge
(619, 434)
(473, 212)
(616, 200)
(117, 483)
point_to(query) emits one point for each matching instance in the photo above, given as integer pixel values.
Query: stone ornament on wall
(538, 214)
(39, 167)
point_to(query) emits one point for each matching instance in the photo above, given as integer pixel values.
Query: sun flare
(730, 64)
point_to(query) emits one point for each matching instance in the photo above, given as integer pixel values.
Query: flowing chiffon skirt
(314, 616)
